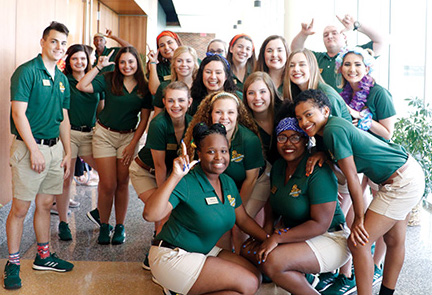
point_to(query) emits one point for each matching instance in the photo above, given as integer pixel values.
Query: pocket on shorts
(19, 151)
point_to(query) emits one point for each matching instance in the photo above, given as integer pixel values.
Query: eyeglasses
(219, 51)
(293, 138)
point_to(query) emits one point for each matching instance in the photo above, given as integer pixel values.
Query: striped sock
(43, 250)
(14, 258)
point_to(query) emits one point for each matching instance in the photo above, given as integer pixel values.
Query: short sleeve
(337, 142)
(158, 97)
(322, 185)
(99, 84)
(157, 135)
(147, 101)
(254, 157)
(180, 193)
(21, 84)
(382, 105)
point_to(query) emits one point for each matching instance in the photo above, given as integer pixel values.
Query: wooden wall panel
(133, 29)
(109, 20)
(7, 66)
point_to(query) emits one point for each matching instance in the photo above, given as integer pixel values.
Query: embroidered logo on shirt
(236, 157)
(331, 155)
(273, 190)
(295, 191)
(231, 200)
(62, 88)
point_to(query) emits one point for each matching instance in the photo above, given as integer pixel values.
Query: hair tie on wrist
(98, 68)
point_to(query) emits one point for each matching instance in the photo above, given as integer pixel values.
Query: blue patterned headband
(368, 59)
(208, 54)
(289, 124)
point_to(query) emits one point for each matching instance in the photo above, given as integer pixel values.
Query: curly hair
(291, 90)
(204, 114)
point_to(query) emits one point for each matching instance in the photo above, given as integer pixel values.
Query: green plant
(414, 133)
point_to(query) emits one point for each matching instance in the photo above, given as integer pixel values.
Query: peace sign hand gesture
(104, 61)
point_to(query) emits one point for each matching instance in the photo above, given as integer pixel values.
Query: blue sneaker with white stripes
(52, 263)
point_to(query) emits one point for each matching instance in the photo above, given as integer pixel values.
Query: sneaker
(146, 264)
(341, 285)
(52, 263)
(119, 236)
(325, 280)
(104, 234)
(312, 279)
(169, 292)
(54, 210)
(11, 276)
(93, 215)
(74, 204)
(377, 275)
(64, 231)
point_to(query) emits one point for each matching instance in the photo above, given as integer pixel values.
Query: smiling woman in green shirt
(115, 141)
(203, 204)
(401, 187)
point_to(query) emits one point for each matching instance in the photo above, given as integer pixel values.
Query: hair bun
(219, 128)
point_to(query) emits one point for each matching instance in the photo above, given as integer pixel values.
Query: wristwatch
(357, 25)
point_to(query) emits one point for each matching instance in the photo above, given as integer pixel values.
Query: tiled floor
(117, 269)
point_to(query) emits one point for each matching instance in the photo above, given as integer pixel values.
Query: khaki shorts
(397, 199)
(331, 249)
(81, 143)
(142, 180)
(260, 192)
(27, 183)
(108, 143)
(177, 269)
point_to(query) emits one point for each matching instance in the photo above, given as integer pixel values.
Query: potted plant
(414, 133)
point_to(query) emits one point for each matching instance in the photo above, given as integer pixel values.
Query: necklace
(358, 100)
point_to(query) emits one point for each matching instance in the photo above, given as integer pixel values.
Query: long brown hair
(117, 77)
(260, 64)
(250, 64)
(204, 114)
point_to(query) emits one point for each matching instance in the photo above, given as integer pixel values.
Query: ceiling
(124, 6)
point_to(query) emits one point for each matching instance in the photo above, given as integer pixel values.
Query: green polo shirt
(327, 65)
(280, 89)
(105, 52)
(195, 223)
(120, 111)
(83, 106)
(377, 159)
(240, 83)
(46, 97)
(269, 144)
(161, 137)
(245, 154)
(338, 105)
(292, 201)
(158, 97)
(380, 104)
(164, 71)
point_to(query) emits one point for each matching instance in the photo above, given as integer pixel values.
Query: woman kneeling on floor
(204, 203)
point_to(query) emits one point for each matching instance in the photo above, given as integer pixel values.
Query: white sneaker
(74, 204)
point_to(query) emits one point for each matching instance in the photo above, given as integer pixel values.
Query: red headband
(234, 39)
(167, 33)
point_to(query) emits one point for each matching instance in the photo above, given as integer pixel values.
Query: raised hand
(181, 165)
(151, 55)
(347, 21)
(307, 29)
(104, 61)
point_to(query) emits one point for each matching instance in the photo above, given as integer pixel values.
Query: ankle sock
(14, 258)
(43, 250)
(386, 291)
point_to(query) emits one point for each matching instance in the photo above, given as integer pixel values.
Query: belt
(338, 227)
(144, 166)
(114, 130)
(82, 128)
(390, 180)
(162, 243)
(49, 142)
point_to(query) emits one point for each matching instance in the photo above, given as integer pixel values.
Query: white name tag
(212, 200)
(46, 82)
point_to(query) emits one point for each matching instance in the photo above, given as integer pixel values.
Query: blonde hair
(179, 51)
(314, 78)
(204, 114)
